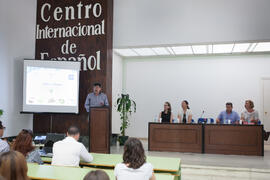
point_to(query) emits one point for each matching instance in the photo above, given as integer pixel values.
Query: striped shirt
(4, 147)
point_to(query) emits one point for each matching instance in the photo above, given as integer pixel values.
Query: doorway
(266, 105)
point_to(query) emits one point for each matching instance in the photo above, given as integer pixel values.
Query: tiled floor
(216, 167)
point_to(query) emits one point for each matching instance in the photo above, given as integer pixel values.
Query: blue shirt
(95, 101)
(224, 116)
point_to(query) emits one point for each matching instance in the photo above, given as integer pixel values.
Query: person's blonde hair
(250, 103)
(13, 166)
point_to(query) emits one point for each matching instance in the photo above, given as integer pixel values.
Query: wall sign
(76, 30)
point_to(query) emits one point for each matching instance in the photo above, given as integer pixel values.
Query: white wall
(159, 22)
(206, 82)
(136, 23)
(17, 41)
(117, 81)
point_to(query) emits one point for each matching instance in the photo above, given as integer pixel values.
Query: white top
(248, 116)
(122, 172)
(181, 112)
(68, 153)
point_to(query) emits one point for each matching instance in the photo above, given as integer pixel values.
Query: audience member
(166, 115)
(13, 166)
(69, 151)
(4, 147)
(24, 144)
(96, 175)
(185, 114)
(134, 166)
(228, 116)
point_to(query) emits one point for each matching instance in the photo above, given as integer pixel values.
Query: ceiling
(193, 50)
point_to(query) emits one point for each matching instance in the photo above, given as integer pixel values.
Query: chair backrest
(51, 139)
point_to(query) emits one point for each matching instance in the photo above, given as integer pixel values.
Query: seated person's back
(24, 144)
(134, 166)
(144, 172)
(13, 166)
(69, 151)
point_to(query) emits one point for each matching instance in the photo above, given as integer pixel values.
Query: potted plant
(1, 112)
(125, 106)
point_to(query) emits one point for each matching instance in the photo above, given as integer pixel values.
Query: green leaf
(125, 106)
(128, 105)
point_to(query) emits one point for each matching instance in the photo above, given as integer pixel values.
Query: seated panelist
(166, 115)
(250, 115)
(228, 116)
(185, 114)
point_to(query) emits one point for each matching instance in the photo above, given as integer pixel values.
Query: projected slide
(51, 86)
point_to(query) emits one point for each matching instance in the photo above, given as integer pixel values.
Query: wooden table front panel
(234, 139)
(175, 137)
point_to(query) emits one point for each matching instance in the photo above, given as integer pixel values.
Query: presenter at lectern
(96, 98)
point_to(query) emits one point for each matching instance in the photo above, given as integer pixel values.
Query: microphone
(202, 114)
(89, 105)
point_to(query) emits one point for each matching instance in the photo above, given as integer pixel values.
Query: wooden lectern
(99, 135)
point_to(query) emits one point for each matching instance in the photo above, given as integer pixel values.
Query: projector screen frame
(29, 112)
(50, 112)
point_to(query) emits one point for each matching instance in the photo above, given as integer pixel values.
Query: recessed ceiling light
(170, 50)
(222, 48)
(251, 47)
(210, 49)
(161, 51)
(182, 50)
(241, 47)
(262, 47)
(144, 51)
(125, 52)
(200, 49)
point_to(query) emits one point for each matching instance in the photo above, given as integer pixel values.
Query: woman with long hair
(166, 115)
(23, 144)
(13, 166)
(134, 165)
(185, 114)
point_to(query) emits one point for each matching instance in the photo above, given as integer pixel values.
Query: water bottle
(155, 119)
